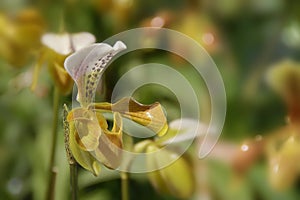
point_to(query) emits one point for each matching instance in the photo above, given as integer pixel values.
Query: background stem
(124, 186)
(52, 169)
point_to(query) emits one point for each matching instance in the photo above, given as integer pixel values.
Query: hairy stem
(52, 168)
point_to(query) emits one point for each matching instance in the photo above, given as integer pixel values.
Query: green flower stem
(74, 181)
(51, 184)
(52, 168)
(124, 186)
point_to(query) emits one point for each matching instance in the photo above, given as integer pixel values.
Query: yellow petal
(59, 75)
(141, 146)
(87, 127)
(283, 168)
(37, 69)
(63, 80)
(181, 183)
(109, 151)
(84, 158)
(117, 128)
(102, 121)
(158, 182)
(151, 116)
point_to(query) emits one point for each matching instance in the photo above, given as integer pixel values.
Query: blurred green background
(243, 37)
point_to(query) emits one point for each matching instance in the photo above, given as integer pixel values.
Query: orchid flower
(283, 145)
(284, 79)
(56, 48)
(88, 139)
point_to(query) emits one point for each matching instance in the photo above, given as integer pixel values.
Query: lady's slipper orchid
(56, 48)
(88, 138)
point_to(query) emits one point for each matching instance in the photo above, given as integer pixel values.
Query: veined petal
(151, 116)
(87, 65)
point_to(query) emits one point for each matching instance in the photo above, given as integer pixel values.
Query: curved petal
(109, 151)
(86, 66)
(151, 116)
(84, 158)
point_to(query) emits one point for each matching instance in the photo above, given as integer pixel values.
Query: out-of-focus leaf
(226, 184)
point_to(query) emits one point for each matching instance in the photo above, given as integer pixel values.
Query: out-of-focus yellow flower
(199, 28)
(54, 52)
(283, 150)
(284, 78)
(175, 179)
(117, 12)
(169, 172)
(20, 36)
